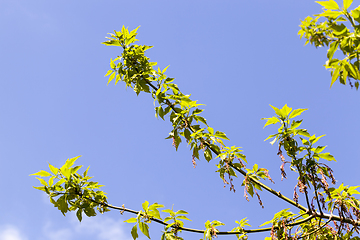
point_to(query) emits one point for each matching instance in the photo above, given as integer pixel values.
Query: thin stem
(316, 193)
(316, 230)
(348, 16)
(305, 190)
(123, 209)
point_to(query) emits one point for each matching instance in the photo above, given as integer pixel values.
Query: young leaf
(335, 75)
(221, 135)
(42, 181)
(53, 169)
(331, 4)
(145, 205)
(271, 120)
(131, 220)
(207, 155)
(108, 73)
(183, 217)
(347, 4)
(41, 173)
(111, 77)
(134, 233)
(277, 111)
(330, 14)
(327, 156)
(144, 228)
(332, 49)
(286, 110)
(181, 212)
(79, 214)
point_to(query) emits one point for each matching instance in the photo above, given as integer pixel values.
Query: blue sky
(237, 57)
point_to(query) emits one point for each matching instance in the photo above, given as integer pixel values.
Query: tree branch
(123, 209)
(267, 188)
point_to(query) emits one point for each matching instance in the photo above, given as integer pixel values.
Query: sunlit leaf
(41, 173)
(331, 4)
(347, 4)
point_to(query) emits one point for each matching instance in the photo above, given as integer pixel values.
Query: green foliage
(139, 73)
(176, 223)
(211, 230)
(279, 217)
(70, 191)
(240, 228)
(336, 35)
(305, 160)
(144, 217)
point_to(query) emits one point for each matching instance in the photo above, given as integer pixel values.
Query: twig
(316, 230)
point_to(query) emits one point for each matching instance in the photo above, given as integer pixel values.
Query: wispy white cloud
(9, 232)
(97, 228)
(104, 228)
(94, 228)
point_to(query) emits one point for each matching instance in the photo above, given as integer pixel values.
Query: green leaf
(347, 3)
(351, 69)
(297, 112)
(181, 212)
(79, 214)
(90, 212)
(131, 220)
(356, 15)
(335, 75)
(277, 111)
(53, 169)
(108, 73)
(314, 139)
(42, 188)
(200, 118)
(112, 64)
(111, 77)
(327, 156)
(221, 135)
(319, 149)
(332, 49)
(331, 4)
(71, 161)
(65, 172)
(168, 211)
(167, 219)
(134, 233)
(62, 204)
(296, 124)
(303, 132)
(145, 205)
(340, 30)
(51, 181)
(211, 130)
(85, 173)
(154, 206)
(183, 217)
(272, 120)
(41, 173)
(42, 181)
(286, 110)
(207, 155)
(144, 228)
(216, 223)
(330, 14)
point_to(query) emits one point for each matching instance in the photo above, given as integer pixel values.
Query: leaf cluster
(70, 191)
(340, 30)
